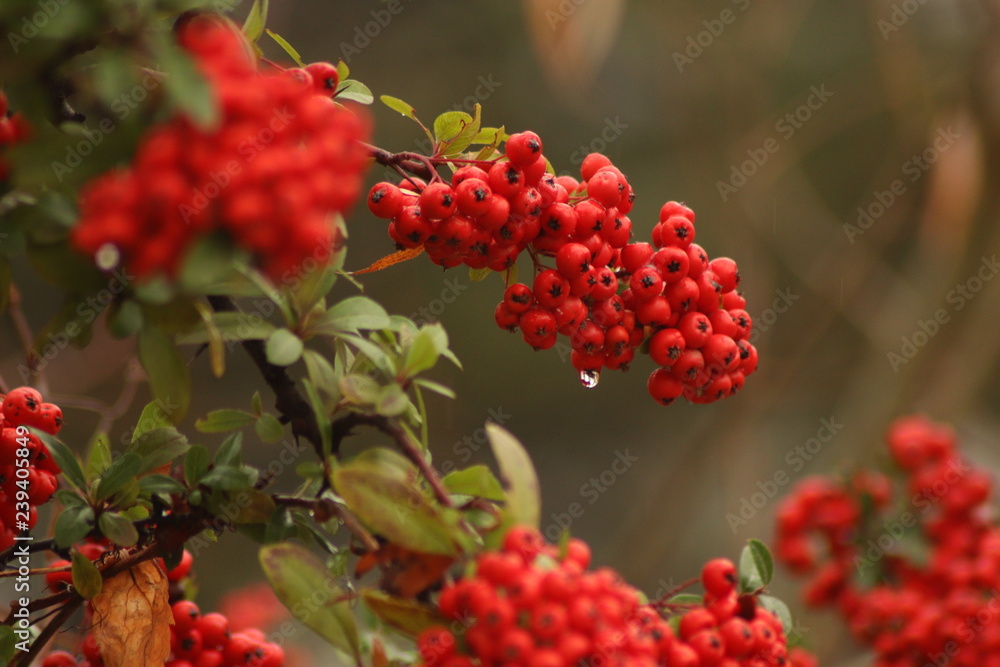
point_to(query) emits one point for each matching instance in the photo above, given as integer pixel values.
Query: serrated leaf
(354, 91)
(523, 505)
(286, 47)
(351, 314)
(86, 577)
(67, 462)
(268, 428)
(477, 480)
(296, 575)
(73, 524)
(196, 464)
(118, 529)
(220, 421)
(121, 471)
(283, 348)
(169, 378)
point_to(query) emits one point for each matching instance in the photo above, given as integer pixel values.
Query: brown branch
(26, 657)
(327, 507)
(288, 401)
(415, 163)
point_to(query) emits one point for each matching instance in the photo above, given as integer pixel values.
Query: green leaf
(186, 88)
(407, 616)
(6, 280)
(323, 376)
(436, 387)
(122, 471)
(476, 481)
(449, 124)
(478, 275)
(228, 478)
(360, 389)
(355, 91)
(196, 465)
(118, 529)
(256, 404)
(67, 462)
(73, 524)
(292, 53)
(779, 609)
(464, 138)
(86, 577)
(159, 485)
(392, 401)
(233, 327)
(230, 451)
(169, 378)
(99, 456)
(756, 566)
(253, 27)
(283, 348)
(399, 106)
(8, 644)
(269, 429)
(159, 447)
(374, 352)
(220, 421)
(422, 353)
(687, 598)
(523, 505)
(343, 71)
(296, 575)
(381, 490)
(351, 314)
(152, 417)
(322, 418)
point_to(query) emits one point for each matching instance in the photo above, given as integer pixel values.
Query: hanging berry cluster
(282, 158)
(917, 585)
(527, 606)
(608, 296)
(196, 639)
(27, 469)
(13, 130)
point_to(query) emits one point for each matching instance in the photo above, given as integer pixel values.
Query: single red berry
(551, 289)
(325, 77)
(592, 163)
(726, 272)
(385, 200)
(696, 328)
(523, 148)
(666, 345)
(437, 201)
(183, 568)
(719, 577)
(186, 614)
(59, 659)
(664, 387)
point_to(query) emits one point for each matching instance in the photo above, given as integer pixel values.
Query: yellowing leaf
(132, 618)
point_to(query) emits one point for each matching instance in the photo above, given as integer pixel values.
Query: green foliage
(86, 578)
(756, 567)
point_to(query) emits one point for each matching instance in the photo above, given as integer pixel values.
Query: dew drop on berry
(589, 379)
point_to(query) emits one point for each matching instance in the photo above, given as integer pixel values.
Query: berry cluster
(917, 585)
(196, 640)
(24, 487)
(13, 130)
(281, 159)
(610, 297)
(526, 605)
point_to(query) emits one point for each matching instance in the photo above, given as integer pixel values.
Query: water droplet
(589, 379)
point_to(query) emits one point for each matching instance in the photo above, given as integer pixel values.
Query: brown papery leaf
(132, 618)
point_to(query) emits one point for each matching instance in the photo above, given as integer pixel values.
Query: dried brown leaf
(132, 618)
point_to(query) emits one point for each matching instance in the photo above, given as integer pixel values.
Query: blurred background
(842, 152)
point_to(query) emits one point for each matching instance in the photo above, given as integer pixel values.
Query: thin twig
(26, 337)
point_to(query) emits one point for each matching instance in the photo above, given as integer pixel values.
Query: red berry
(719, 577)
(523, 148)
